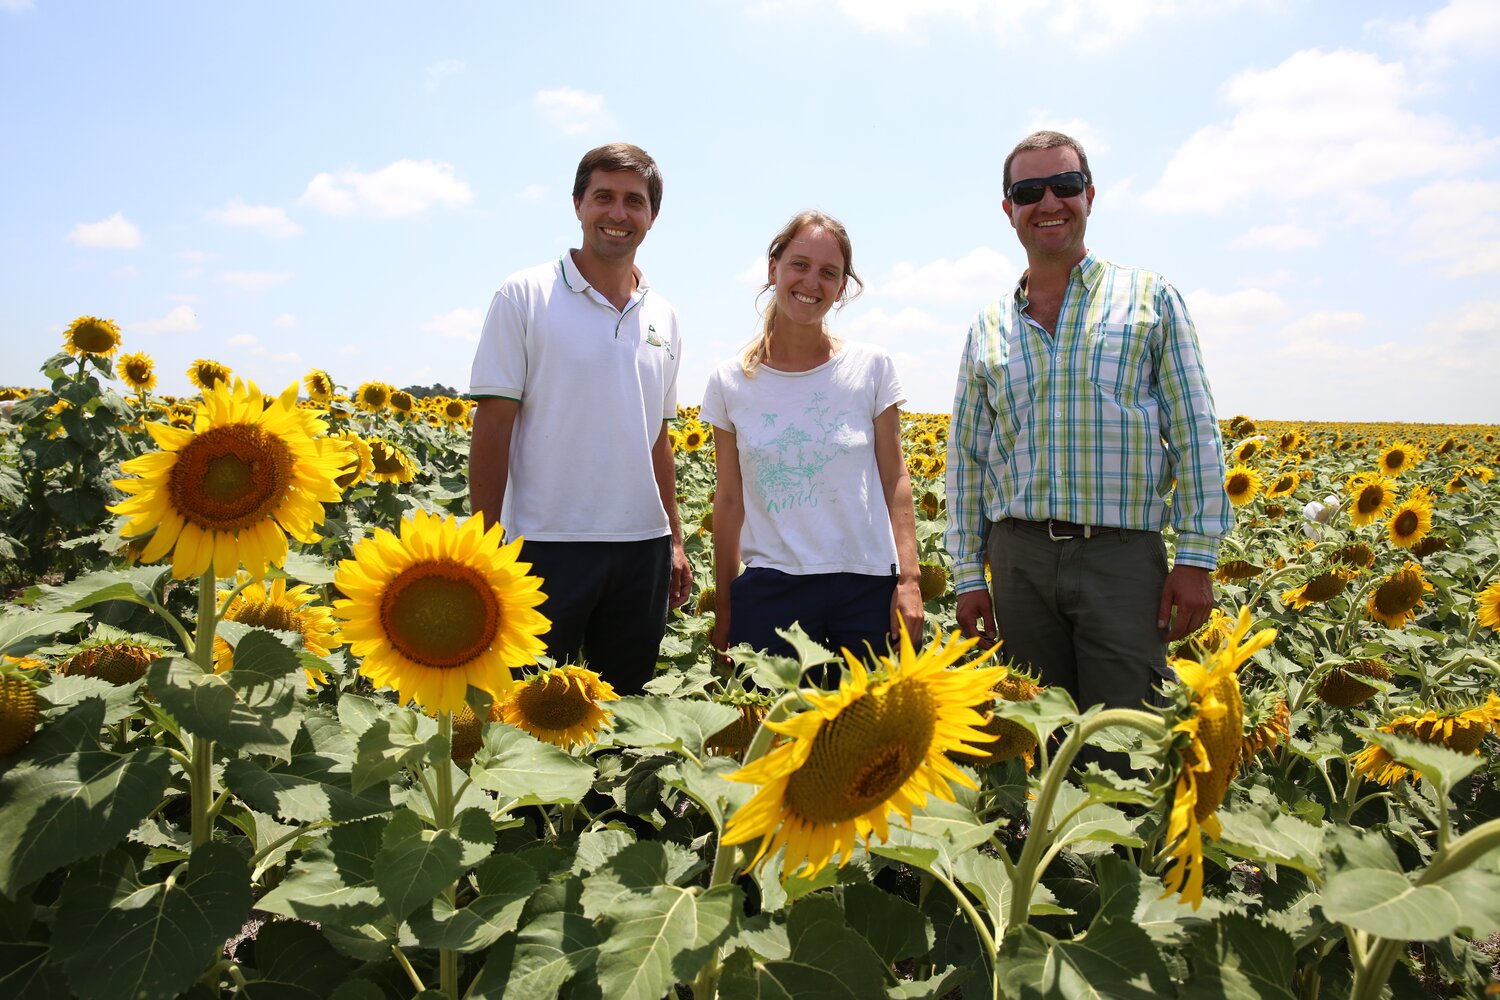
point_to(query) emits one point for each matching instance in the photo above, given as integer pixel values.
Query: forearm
(664, 468)
(904, 526)
(729, 520)
(489, 461)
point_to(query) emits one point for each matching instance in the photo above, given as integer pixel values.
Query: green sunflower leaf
(639, 867)
(540, 959)
(518, 767)
(1114, 960)
(66, 797)
(1386, 904)
(333, 882)
(680, 726)
(662, 936)
(129, 940)
(1240, 958)
(239, 709)
(504, 885)
(137, 584)
(829, 960)
(893, 927)
(315, 786)
(16, 626)
(1272, 838)
(415, 863)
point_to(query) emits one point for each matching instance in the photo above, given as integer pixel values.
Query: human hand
(681, 587)
(720, 635)
(1190, 590)
(976, 616)
(906, 608)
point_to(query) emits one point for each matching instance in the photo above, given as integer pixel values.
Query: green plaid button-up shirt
(1091, 425)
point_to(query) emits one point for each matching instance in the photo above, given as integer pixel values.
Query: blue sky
(342, 185)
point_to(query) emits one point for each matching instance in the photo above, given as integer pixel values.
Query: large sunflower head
(228, 491)
(92, 335)
(441, 607)
(1371, 495)
(359, 459)
(1319, 588)
(1396, 600)
(693, 436)
(1210, 753)
(1344, 687)
(1461, 730)
(119, 661)
(319, 385)
(1399, 457)
(1248, 448)
(138, 371)
(562, 706)
(1412, 519)
(206, 374)
(282, 609)
(1231, 570)
(1487, 606)
(402, 402)
(877, 745)
(1242, 483)
(389, 463)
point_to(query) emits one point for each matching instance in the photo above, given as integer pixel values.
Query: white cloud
(1319, 124)
(1467, 249)
(753, 274)
(269, 220)
(287, 356)
(113, 233)
(1468, 26)
(128, 271)
(925, 348)
(16, 5)
(253, 281)
(406, 187)
(573, 112)
(349, 349)
(1321, 324)
(1276, 278)
(1286, 236)
(243, 340)
(1232, 317)
(180, 319)
(458, 324)
(197, 256)
(442, 70)
(1085, 132)
(1480, 316)
(534, 192)
(286, 321)
(978, 276)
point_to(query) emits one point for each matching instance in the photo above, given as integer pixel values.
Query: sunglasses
(1070, 184)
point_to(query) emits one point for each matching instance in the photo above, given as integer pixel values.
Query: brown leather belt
(1061, 531)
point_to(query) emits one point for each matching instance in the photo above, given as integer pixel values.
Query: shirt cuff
(1197, 550)
(968, 576)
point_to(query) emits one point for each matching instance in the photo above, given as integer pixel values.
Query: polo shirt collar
(574, 279)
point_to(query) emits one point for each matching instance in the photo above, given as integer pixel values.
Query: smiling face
(809, 276)
(615, 212)
(1051, 230)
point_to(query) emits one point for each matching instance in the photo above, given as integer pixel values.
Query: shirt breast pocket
(1117, 359)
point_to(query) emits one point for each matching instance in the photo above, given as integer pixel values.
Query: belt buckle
(1088, 532)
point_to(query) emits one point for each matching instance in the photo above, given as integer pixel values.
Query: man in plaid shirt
(1082, 424)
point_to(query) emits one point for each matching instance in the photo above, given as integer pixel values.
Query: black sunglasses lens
(1069, 188)
(1028, 192)
(1031, 190)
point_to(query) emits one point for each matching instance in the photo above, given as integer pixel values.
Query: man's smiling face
(1053, 228)
(615, 211)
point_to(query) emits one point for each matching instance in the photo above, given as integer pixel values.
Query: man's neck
(1046, 275)
(616, 280)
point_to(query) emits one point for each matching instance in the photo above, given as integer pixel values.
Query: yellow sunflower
(1396, 600)
(373, 396)
(1211, 758)
(1462, 731)
(1412, 520)
(1267, 723)
(455, 411)
(561, 706)
(1488, 603)
(285, 609)
(1011, 739)
(1372, 494)
(119, 662)
(873, 747)
(92, 335)
(1324, 586)
(1247, 449)
(206, 374)
(359, 459)
(1399, 457)
(18, 713)
(1242, 483)
(440, 608)
(138, 371)
(402, 402)
(1283, 485)
(389, 464)
(694, 436)
(227, 492)
(319, 385)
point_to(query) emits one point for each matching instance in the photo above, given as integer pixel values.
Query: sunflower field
(274, 723)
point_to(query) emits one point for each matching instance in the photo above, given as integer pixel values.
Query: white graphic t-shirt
(813, 500)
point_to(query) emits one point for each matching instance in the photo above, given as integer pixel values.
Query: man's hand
(1190, 590)
(681, 587)
(976, 616)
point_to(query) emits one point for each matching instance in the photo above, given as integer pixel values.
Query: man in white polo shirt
(576, 377)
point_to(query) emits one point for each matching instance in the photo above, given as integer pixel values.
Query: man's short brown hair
(620, 156)
(1047, 140)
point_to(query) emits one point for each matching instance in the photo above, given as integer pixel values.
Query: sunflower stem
(976, 919)
(200, 773)
(1039, 837)
(442, 814)
(411, 973)
(1355, 607)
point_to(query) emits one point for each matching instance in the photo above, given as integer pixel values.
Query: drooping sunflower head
(18, 713)
(562, 706)
(319, 384)
(1248, 448)
(389, 463)
(1344, 685)
(228, 491)
(1459, 730)
(1237, 569)
(402, 402)
(138, 371)
(878, 745)
(1242, 483)
(373, 396)
(1011, 739)
(1211, 738)
(1371, 496)
(1207, 639)
(1396, 600)
(359, 460)
(1267, 722)
(734, 738)
(206, 374)
(282, 609)
(119, 661)
(440, 608)
(1411, 520)
(1358, 555)
(92, 335)
(1399, 457)
(1321, 587)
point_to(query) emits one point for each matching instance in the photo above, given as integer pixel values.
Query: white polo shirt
(595, 384)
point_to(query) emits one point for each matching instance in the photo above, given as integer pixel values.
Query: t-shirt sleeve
(714, 411)
(888, 390)
(500, 360)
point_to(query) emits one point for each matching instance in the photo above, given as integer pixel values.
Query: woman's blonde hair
(759, 348)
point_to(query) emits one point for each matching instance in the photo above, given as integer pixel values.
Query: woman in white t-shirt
(813, 493)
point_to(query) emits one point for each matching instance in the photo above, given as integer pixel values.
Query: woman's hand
(720, 637)
(906, 607)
